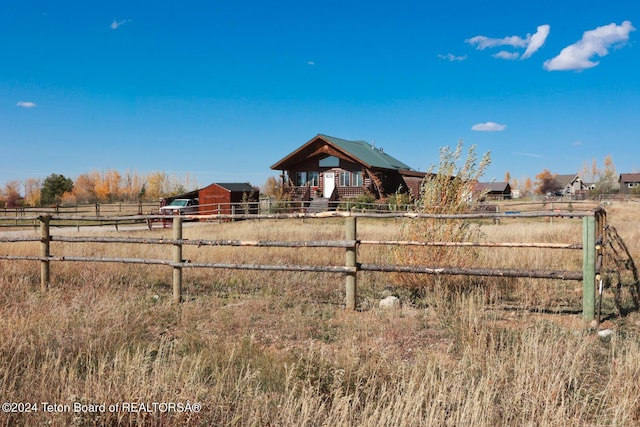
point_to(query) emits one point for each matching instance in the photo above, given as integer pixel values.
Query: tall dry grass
(256, 348)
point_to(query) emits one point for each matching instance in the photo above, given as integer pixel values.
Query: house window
(345, 179)
(356, 179)
(301, 178)
(350, 179)
(329, 162)
(313, 178)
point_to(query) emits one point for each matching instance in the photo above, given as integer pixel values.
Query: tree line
(110, 186)
(107, 186)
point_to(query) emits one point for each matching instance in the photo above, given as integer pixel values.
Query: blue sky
(222, 89)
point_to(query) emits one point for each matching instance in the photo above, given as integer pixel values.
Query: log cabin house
(335, 169)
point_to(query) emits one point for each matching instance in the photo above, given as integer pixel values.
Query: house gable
(368, 154)
(570, 184)
(359, 152)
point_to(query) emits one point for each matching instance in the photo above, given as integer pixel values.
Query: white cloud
(116, 24)
(26, 104)
(537, 40)
(311, 63)
(489, 127)
(594, 42)
(503, 54)
(483, 42)
(452, 58)
(531, 43)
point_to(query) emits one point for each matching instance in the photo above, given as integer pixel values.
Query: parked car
(180, 207)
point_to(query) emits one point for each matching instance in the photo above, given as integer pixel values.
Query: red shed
(227, 198)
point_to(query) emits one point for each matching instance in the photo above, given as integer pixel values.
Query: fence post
(177, 258)
(45, 238)
(588, 268)
(601, 224)
(351, 261)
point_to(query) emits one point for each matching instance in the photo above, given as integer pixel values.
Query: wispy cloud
(531, 43)
(26, 104)
(519, 153)
(488, 127)
(483, 42)
(311, 63)
(503, 54)
(537, 40)
(594, 42)
(116, 24)
(452, 58)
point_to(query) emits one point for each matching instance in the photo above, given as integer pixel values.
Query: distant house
(629, 183)
(570, 185)
(493, 190)
(334, 168)
(223, 198)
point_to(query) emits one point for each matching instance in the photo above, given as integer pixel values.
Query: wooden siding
(214, 194)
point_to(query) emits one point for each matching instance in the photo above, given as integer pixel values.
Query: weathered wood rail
(593, 224)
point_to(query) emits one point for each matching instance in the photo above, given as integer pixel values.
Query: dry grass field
(252, 348)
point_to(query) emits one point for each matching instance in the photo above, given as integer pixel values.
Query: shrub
(447, 190)
(399, 201)
(363, 201)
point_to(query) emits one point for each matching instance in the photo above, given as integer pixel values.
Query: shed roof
(361, 151)
(235, 186)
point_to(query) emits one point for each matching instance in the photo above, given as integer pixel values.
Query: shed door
(329, 184)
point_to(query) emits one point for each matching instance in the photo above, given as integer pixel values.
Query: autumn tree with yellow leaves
(106, 186)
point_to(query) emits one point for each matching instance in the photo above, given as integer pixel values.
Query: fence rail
(593, 223)
(269, 206)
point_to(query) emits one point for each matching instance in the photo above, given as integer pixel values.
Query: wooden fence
(269, 206)
(593, 225)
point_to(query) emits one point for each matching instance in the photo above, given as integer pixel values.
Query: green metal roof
(367, 153)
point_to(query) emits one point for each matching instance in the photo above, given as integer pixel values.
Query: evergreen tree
(53, 187)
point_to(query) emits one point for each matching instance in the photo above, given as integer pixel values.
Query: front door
(329, 184)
